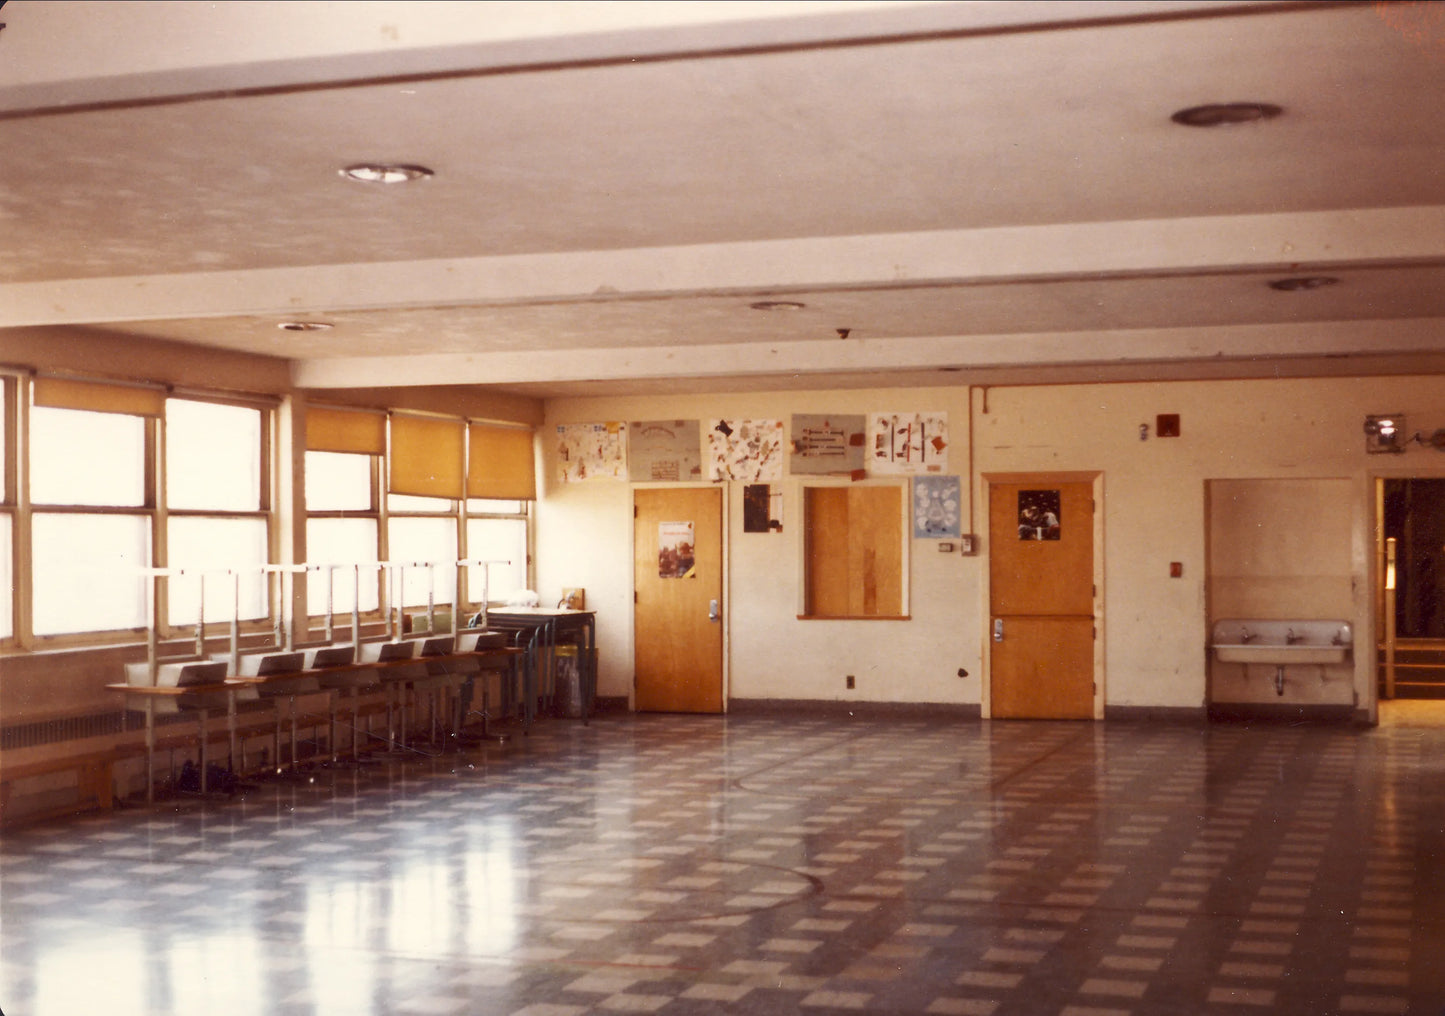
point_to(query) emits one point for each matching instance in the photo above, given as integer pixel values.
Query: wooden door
(1041, 600)
(677, 579)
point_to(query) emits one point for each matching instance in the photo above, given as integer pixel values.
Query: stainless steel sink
(1281, 643)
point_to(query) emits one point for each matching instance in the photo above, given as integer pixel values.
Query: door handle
(998, 629)
(713, 613)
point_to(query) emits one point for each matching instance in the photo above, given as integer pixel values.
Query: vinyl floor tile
(764, 865)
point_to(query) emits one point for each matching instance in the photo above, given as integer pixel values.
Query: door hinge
(634, 597)
(634, 511)
(1096, 633)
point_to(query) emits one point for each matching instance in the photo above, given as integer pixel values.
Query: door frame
(987, 481)
(726, 497)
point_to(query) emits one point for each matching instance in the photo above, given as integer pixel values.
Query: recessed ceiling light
(777, 305)
(1302, 282)
(1223, 114)
(305, 326)
(384, 172)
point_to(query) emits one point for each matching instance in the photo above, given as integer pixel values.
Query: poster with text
(907, 443)
(591, 451)
(827, 445)
(936, 504)
(750, 451)
(664, 451)
(675, 557)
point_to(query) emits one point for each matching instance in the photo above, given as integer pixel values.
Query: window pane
(214, 545)
(79, 457)
(485, 506)
(497, 540)
(346, 542)
(7, 603)
(411, 503)
(87, 573)
(213, 456)
(4, 422)
(423, 540)
(337, 482)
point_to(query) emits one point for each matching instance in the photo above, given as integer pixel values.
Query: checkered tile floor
(699, 865)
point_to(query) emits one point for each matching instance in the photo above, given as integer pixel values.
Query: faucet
(1290, 638)
(1246, 636)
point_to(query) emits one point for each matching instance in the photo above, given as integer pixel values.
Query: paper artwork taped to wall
(749, 451)
(675, 559)
(936, 502)
(907, 443)
(1038, 515)
(591, 451)
(824, 445)
(762, 508)
(664, 451)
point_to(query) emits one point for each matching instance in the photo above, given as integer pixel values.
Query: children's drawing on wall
(591, 451)
(750, 451)
(762, 509)
(827, 445)
(907, 442)
(675, 550)
(1038, 515)
(936, 501)
(664, 451)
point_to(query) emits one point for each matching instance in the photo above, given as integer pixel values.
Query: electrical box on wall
(966, 544)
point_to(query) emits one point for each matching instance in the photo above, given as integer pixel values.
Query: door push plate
(998, 629)
(712, 610)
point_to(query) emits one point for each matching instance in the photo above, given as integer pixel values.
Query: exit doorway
(1410, 596)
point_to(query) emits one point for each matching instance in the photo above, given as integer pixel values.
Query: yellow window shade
(98, 397)
(426, 456)
(500, 464)
(345, 430)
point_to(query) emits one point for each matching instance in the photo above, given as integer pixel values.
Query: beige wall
(1154, 627)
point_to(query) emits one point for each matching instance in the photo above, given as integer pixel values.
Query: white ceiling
(986, 191)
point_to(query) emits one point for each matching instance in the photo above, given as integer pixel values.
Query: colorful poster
(823, 445)
(591, 451)
(750, 451)
(664, 451)
(908, 443)
(762, 509)
(936, 503)
(675, 558)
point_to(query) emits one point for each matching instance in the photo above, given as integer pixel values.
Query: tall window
(342, 532)
(217, 521)
(7, 509)
(90, 526)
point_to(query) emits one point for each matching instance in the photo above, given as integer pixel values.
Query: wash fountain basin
(1281, 643)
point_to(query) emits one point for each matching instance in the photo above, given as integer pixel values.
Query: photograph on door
(1038, 515)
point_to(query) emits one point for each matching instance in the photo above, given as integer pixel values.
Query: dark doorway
(1415, 519)
(1413, 662)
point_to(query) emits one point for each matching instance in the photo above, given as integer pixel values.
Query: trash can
(569, 682)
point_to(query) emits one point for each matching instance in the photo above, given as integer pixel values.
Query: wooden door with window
(1041, 599)
(677, 583)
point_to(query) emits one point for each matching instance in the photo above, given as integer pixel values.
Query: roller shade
(98, 397)
(344, 430)
(426, 456)
(500, 463)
